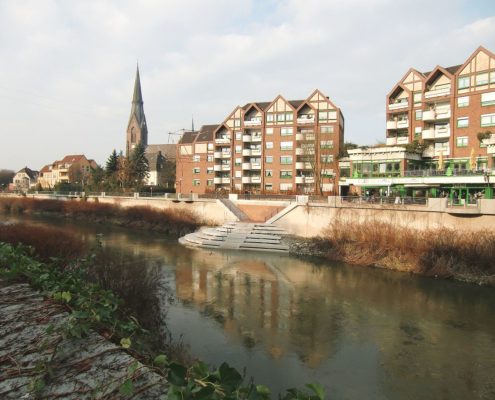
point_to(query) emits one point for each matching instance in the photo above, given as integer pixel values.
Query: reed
(435, 252)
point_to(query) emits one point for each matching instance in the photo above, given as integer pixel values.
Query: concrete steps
(239, 236)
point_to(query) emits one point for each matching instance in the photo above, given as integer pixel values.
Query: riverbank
(439, 253)
(171, 222)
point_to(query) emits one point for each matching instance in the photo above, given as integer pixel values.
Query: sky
(67, 67)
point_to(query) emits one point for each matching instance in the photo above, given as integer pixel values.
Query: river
(363, 333)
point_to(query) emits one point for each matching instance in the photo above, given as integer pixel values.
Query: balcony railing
(252, 122)
(428, 134)
(246, 138)
(443, 172)
(402, 140)
(391, 141)
(306, 119)
(222, 140)
(437, 92)
(391, 124)
(441, 133)
(303, 165)
(398, 106)
(402, 124)
(429, 115)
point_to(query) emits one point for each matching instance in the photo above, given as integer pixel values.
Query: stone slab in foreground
(37, 364)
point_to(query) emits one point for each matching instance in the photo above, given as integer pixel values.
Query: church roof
(29, 172)
(137, 108)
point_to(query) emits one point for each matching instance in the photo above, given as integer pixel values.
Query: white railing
(437, 92)
(225, 180)
(255, 166)
(444, 151)
(246, 138)
(217, 167)
(398, 106)
(403, 140)
(303, 165)
(428, 134)
(307, 119)
(391, 141)
(391, 124)
(246, 152)
(256, 138)
(443, 114)
(256, 179)
(253, 122)
(246, 165)
(256, 152)
(299, 151)
(402, 124)
(442, 133)
(225, 167)
(217, 154)
(223, 140)
(429, 115)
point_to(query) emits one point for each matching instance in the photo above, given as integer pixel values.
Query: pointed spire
(137, 96)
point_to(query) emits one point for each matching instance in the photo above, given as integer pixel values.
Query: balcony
(429, 115)
(226, 154)
(217, 181)
(246, 179)
(391, 141)
(398, 106)
(403, 140)
(256, 179)
(443, 114)
(303, 165)
(428, 134)
(225, 180)
(246, 138)
(256, 166)
(217, 167)
(441, 133)
(437, 92)
(255, 152)
(490, 149)
(225, 167)
(256, 138)
(299, 136)
(391, 124)
(299, 179)
(402, 124)
(217, 154)
(299, 151)
(222, 140)
(306, 119)
(253, 122)
(246, 165)
(442, 150)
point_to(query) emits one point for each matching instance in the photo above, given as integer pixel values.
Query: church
(161, 157)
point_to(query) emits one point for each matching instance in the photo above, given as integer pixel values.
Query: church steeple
(137, 129)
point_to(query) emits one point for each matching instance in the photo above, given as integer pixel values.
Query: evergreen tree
(123, 174)
(112, 165)
(138, 165)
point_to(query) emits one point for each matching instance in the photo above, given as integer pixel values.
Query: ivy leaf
(317, 389)
(177, 374)
(127, 388)
(161, 361)
(125, 343)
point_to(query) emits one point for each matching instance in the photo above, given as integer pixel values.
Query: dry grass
(171, 221)
(441, 252)
(47, 242)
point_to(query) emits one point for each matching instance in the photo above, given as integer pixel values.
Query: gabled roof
(397, 86)
(262, 105)
(206, 133)
(439, 70)
(305, 103)
(188, 137)
(283, 98)
(167, 150)
(46, 168)
(480, 48)
(70, 159)
(29, 172)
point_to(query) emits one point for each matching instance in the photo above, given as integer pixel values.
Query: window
(326, 158)
(462, 141)
(210, 147)
(196, 170)
(209, 158)
(285, 160)
(269, 117)
(417, 97)
(464, 82)
(463, 122)
(269, 145)
(238, 162)
(238, 148)
(417, 131)
(268, 159)
(286, 145)
(268, 187)
(269, 131)
(284, 187)
(326, 144)
(209, 170)
(327, 115)
(280, 117)
(327, 173)
(238, 135)
(488, 120)
(209, 182)
(418, 114)
(237, 122)
(238, 174)
(488, 99)
(482, 79)
(327, 129)
(463, 101)
(286, 174)
(268, 172)
(196, 158)
(289, 116)
(196, 182)
(286, 131)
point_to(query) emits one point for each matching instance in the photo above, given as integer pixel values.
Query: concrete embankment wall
(312, 220)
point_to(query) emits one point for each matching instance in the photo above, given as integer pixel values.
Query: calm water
(363, 333)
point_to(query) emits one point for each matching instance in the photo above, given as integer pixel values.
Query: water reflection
(364, 333)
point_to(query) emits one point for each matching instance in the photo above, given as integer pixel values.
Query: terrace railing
(389, 200)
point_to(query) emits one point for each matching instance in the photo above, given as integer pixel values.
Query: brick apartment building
(282, 146)
(445, 109)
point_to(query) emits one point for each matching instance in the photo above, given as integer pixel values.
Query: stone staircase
(239, 236)
(241, 215)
